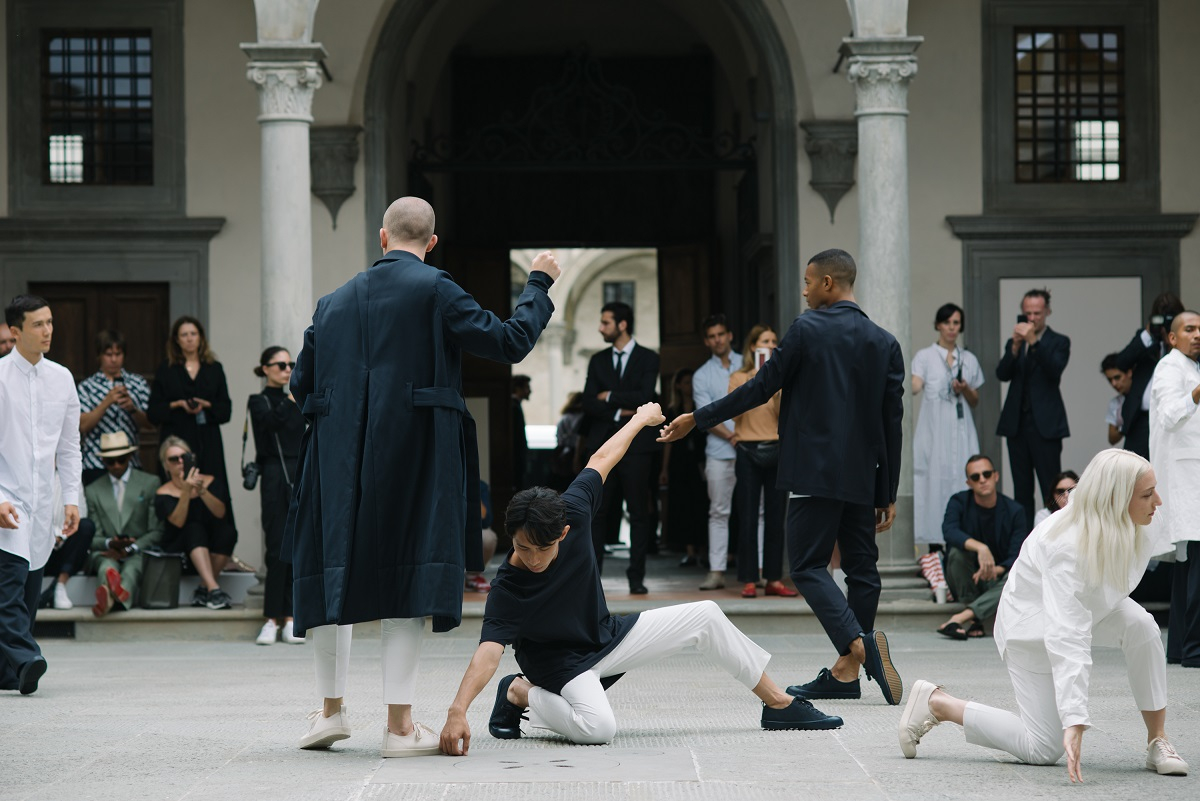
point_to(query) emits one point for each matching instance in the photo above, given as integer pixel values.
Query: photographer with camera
(195, 514)
(278, 428)
(1141, 356)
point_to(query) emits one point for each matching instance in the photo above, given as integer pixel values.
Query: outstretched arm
(456, 734)
(611, 452)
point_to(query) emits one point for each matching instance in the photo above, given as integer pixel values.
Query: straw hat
(115, 444)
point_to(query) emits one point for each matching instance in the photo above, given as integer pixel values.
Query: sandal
(953, 631)
(975, 631)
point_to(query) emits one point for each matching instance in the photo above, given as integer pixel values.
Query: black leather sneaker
(826, 686)
(800, 715)
(879, 667)
(505, 722)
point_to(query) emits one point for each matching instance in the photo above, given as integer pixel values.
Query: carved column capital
(285, 89)
(831, 146)
(880, 70)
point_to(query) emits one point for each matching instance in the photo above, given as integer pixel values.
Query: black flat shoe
(688, 561)
(800, 715)
(825, 686)
(638, 589)
(31, 672)
(953, 631)
(879, 667)
(505, 722)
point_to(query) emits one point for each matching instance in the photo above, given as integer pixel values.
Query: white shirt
(1113, 418)
(117, 482)
(39, 427)
(627, 350)
(1175, 446)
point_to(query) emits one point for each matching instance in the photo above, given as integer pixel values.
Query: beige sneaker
(715, 581)
(1161, 757)
(421, 741)
(917, 719)
(325, 731)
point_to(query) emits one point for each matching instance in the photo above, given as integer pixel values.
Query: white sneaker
(1161, 757)
(288, 637)
(325, 731)
(61, 601)
(267, 635)
(917, 719)
(422, 741)
(715, 581)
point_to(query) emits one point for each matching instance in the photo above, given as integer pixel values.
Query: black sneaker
(505, 722)
(800, 715)
(879, 667)
(218, 599)
(200, 596)
(826, 686)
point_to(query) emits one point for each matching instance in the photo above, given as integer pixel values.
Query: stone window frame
(27, 194)
(1139, 192)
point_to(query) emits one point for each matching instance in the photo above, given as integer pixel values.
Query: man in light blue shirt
(709, 383)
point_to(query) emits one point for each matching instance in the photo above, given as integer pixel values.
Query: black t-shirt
(987, 527)
(557, 621)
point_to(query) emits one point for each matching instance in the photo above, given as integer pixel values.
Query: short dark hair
(837, 264)
(519, 380)
(267, 356)
(946, 311)
(1109, 362)
(620, 311)
(1043, 293)
(109, 338)
(14, 313)
(976, 457)
(1167, 304)
(538, 511)
(713, 320)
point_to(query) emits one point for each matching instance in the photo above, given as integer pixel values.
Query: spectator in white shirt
(1120, 380)
(39, 429)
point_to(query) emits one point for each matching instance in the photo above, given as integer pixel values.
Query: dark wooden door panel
(684, 301)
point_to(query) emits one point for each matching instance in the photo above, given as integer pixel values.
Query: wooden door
(684, 301)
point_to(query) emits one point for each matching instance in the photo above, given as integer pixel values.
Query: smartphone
(192, 403)
(760, 357)
(189, 462)
(1021, 318)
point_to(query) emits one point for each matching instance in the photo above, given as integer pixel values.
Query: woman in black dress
(278, 428)
(683, 476)
(189, 399)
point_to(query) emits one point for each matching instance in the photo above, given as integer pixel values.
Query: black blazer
(840, 416)
(628, 391)
(962, 523)
(1042, 366)
(1135, 421)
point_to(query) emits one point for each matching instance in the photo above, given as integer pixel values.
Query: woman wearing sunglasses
(1064, 485)
(1069, 593)
(278, 427)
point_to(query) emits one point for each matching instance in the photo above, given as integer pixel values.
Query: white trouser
(721, 480)
(401, 653)
(582, 713)
(1036, 736)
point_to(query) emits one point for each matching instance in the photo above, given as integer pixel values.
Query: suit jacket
(385, 517)
(1142, 360)
(627, 391)
(962, 523)
(1041, 367)
(1175, 446)
(136, 519)
(840, 416)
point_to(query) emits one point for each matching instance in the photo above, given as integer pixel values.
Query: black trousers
(1183, 626)
(277, 594)
(629, 481)
(72, 556)
(1029, 453)
(19, 591)
(758, 482)
(814, 526)
(1138, 438)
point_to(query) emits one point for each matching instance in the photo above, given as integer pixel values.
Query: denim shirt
(710, 383)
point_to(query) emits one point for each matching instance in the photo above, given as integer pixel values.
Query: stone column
(286, 75)
(880, 68)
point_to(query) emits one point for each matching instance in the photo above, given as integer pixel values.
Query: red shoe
(104, 601)
(477, 583)
(780, 589)
(113, 579)
(750, 590)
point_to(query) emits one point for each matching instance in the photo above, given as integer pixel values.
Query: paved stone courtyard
(196, 720)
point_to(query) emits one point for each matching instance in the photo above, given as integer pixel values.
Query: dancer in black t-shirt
(547, 602)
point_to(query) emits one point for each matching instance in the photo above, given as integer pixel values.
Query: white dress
(943, 441)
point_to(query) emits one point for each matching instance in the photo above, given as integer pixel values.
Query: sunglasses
(281, 365)
(985, 474)
(122, 459)
(175, 459)
(1063, 490)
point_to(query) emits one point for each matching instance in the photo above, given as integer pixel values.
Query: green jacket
(137, 519)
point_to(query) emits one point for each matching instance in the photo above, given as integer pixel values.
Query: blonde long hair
(1109, 540)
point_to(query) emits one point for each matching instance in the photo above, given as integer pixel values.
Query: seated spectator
(69, 556)
(475, 580)
(122, 508)
(1121, 381)
(110, 400)
(983, 531)
(194, 512)
(8, 340)
(1064, 483)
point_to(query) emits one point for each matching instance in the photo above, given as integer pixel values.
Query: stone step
(82, 589)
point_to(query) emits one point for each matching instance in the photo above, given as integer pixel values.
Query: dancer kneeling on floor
(1067, 593)
(548, 603)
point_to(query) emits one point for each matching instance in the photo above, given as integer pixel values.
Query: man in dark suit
(840, 417)
(1141, 356)
(1034, 418)
(619, 380)
(389, 466)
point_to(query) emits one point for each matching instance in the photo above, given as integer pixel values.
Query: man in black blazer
(1141, 356)
(619, 380)
(1034, 418)
(840, 417)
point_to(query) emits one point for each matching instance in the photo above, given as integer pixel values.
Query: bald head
(1185, 334)
(409, 222)
(1181, 320)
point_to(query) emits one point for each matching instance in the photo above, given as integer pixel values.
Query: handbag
(765, 454)
(160, 579)
(251, 470)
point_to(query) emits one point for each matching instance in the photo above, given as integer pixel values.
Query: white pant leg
(1036, 736)
(331, 645)
(581, 713)
(401, 655)
(720, 476)
(1132, 629)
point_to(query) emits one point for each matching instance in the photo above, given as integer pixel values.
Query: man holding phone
(1034, 418)
(111, 400)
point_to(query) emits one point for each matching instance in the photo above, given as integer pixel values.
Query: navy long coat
(385, 518)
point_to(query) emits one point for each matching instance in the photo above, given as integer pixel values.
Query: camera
(1160, 324)
(250, 475)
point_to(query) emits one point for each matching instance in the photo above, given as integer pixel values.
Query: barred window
(1070, 104)
(621, 292)
(97, 104)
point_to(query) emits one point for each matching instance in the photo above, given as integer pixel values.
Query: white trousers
(1035, 736)
(721, 480)
(401, 653)
(582, 713)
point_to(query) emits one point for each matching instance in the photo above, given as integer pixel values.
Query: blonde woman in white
(1068, 592)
